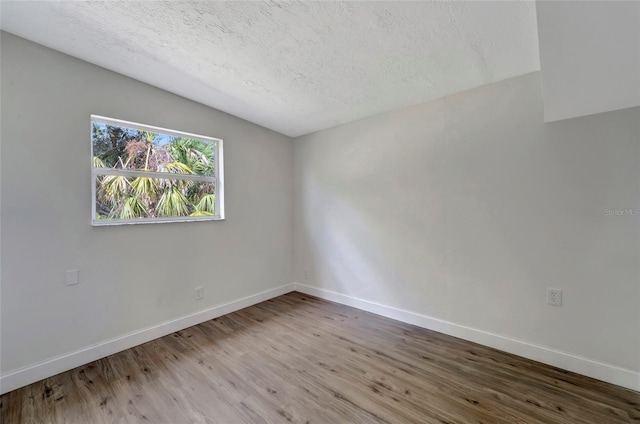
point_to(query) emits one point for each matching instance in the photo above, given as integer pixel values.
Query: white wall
(590, 56)
(467, 208)
(131, 276)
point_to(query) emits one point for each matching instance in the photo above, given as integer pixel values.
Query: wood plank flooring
(300, 359)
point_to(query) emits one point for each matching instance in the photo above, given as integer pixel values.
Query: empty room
(320, 212)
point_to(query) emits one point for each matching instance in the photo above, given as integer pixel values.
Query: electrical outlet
(306, 276)
(554, 297)
(199, 293)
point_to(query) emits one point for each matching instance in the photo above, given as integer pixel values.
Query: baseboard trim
(610, 373)
(30, 374)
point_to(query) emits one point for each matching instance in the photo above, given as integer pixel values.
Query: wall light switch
(72, 277)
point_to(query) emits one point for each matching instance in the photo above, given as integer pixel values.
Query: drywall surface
(467, 208)
(590, 56)
(134, 276)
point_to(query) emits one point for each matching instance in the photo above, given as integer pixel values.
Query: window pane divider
(150, 174)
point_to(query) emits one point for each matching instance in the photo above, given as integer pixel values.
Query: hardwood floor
(300, 359)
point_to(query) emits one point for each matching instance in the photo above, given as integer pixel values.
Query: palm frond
(133, 208)
(112, 188)
(145, 188)
(176, 167)
(98, 163)
(207, 204)
(196, 154)
(172, 203)
(200, 213)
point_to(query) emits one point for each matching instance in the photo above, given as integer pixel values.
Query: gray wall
(465, 209)
(131, 276)
(468, 207)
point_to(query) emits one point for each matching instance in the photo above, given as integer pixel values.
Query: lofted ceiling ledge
(590, 53)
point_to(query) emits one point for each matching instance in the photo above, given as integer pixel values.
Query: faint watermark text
(622, 212)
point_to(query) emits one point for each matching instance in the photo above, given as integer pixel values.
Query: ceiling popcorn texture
(294, 67)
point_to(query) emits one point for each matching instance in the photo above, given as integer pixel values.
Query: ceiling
(294, 67)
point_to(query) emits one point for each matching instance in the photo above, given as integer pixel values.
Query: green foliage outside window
(130, 197)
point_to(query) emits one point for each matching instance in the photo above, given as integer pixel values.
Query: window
(143, 174)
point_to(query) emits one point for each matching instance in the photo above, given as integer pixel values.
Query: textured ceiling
(294, 67)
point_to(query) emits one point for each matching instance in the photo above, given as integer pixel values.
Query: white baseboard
(50, 367)
(565, 360)
(568, 361)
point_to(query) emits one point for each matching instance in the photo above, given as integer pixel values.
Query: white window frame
(217, 178)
